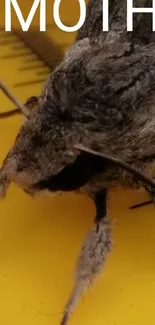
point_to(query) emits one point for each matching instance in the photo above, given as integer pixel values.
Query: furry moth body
(102, 97)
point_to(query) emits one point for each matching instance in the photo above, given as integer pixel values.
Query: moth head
(43, 146)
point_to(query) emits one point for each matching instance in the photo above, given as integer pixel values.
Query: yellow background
(40, 239)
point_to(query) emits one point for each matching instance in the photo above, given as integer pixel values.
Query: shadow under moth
(92, 128)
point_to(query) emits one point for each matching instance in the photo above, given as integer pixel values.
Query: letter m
(25, 24)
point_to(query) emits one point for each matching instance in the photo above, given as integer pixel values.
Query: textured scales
(102, 96)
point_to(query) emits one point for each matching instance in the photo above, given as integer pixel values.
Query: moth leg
(100, 200)
(94, 251)
(151, 192)
(139, 205)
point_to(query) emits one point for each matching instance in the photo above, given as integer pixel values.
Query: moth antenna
(8, 93)
(144, 178)
(90, 263)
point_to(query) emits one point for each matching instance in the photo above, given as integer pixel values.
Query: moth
(92, 127)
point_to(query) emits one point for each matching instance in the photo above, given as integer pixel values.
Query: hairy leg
(93, 253)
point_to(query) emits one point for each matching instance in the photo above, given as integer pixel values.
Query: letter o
(67, 28)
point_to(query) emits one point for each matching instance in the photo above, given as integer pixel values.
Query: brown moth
(93, 127)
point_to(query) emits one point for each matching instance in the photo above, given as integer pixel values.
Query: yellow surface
(40, 240)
